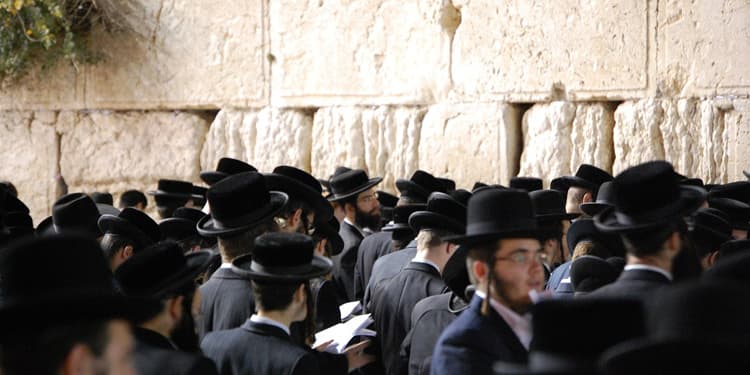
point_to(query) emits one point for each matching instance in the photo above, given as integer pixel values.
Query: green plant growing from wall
(44, 32)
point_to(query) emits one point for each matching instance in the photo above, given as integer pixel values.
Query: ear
(78, 361)
(296, 217)
(712, 257)
(674, 242)
(175, 308)
(127, 252)
(299, 294)
(587, 197)
(479, 269)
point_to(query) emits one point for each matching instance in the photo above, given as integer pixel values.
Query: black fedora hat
(739, 190)
(587, 176)
(160, 270)
(585, 229)
(592, 325)
(351, 183)
(461, 195)
(15, 225)
(61, 278)
(455, 275)
(174, 189)
(709, 229)
(330, 231)
(559, 184)
(549, 205)
(589, 272)
(74, 213)
(737, 211)
(181, 225)
(327, 183)
(443, 212)
(9, 202)
(238, 203)
(282, 258)
(648, 196)
(401, 217)
(733, 268)
(604, 199)
(493, 214)
(102, 197)
(133, 224)
(420, 185)
(733, 248)
(199, 195)
(526, 183)
(449, 184)
(224, 168)
(387, 202)
(302, 186)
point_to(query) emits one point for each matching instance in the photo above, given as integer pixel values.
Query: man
(280, 269)
(582, 187)
(60, 314)
(225, 168)
(355, 192)
(553, 223)
(72, 213)
(242, 208)
(306, 202)
(127, 234)
(163, 273)
(709, 229)
(648, 215)
(171, 194)
(133, 198)
(415, 190)
(505, 265)
(392, 304)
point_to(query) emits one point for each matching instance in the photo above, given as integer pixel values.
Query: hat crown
(712, 219)
(443, 204)
(283, 250)
(461, 195)
(237, 195)
(646, 188)
(300, 176)
(501, 210)
(187, 213)
(142, 222)
(143, 272)
(102, 197)
(175, 186)
(401, 213)
(589, 272)
(605, 194)
(737, 211)
(739, 190)
(425, 183)
(18, 219)
(526, 183)
(232, 166)
(593, 174)
(75, 211)
(348, 181)
(387, 199)
(548, 202)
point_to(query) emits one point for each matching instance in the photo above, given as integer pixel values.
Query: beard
(368, 219)
(184, 335)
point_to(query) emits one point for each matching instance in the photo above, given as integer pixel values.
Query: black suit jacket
(473, 342)
(428, 320)
(637, 284)
(392, 307)
(371, 248)
(226, 302)
(343, 263)
(258, 349)
(154, 354)
(385, 268)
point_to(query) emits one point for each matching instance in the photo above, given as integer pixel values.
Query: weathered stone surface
(523, 50)
(636, 135)
(736, 157)
(702, 47)
(183, 54)
(29, 154)
(471, 142)
(55, 88)
(369, 52)
(560, 136)
(116, 151)
(265, 138)
(381, 140)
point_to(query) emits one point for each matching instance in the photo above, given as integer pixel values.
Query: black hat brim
(474, 239)
(408, 186)
(319, 266)
(431, 220)
(593, 208)
(553, 217)
(298, 190)
(168, 194)
(395, 227)
(116, 225)
(196, 263)
(370, 183)
(332, 236)
(212, 177)
(570, 181)
(691, 198)
(209, 227)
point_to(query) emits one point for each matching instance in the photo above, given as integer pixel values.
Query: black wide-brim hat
(330, 231)
(350, 184)
(177, 229)
(210, 227)
(282, 258)
(594, 208)
(176, 189)
(443, 212)
(298, 190)
(133, 224)
(401, 216)
(585, 229)
(495, 214)
(549, 205)
(224, 168)
(421, 185)
(195, 263)
(587, 176)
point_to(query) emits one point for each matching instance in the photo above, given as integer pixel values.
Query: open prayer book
(350, 309)
(342, 333)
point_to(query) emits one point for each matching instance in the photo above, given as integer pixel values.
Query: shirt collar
(418, 259)
(346, 220)
(268, 321)
(226, 265)
(520, 325)
(649, 268)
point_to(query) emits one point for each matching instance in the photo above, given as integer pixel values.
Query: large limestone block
(636, 137)
(183, 54)
(559, 136)
(471, 142)
(703, 47)
(737, 125)
(265, 138)
(382, 140)
(29, 154)
(362, 52)
(534, 50)
(116, 151)
(59, 87)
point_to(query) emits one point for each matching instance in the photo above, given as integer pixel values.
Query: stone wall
(476, 90)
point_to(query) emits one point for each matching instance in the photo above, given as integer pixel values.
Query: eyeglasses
(523, 257)
(368, 198)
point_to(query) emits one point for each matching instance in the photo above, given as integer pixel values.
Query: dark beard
(184, 334)
(367, 220)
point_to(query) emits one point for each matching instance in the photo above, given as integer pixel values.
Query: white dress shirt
(650, 268)
(263, 320)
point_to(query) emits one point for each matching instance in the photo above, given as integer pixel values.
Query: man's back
(371, 248)
(386, 267)
(154, 354)
(226, 302)
(633, 283)
(343, 264)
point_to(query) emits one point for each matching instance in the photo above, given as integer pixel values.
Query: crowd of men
(646, 272)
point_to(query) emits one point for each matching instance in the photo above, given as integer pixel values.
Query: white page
(342, 333)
